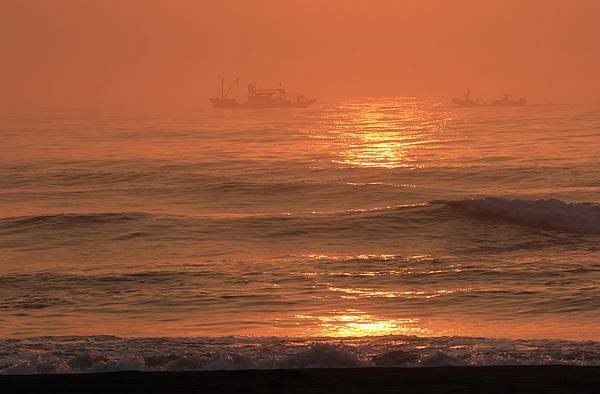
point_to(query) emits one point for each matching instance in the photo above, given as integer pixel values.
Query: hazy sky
(68, 53)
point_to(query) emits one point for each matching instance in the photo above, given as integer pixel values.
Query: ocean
(387, 231)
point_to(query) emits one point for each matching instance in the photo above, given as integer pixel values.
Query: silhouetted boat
(260, 98)
(503, 102)
(507, 102)
(467, 103)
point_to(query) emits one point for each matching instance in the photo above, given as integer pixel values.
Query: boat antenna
(222, 88)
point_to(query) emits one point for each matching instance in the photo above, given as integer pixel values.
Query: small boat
(260, 98)
(507, 102)
(467, 101)
(503, 102)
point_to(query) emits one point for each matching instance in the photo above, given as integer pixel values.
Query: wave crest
(551, 214)
(108, 354)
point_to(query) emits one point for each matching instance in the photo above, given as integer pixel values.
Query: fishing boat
(505, 101)
(260, 98)
(467, 101)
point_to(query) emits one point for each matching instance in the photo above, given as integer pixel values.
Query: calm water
(392, 223)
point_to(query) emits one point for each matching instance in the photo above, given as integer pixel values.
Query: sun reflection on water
(354, 323)
(385, 134)
(373, 150)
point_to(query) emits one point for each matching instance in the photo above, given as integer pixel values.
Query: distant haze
(133, 53)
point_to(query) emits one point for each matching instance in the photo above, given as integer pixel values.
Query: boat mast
(235, 82)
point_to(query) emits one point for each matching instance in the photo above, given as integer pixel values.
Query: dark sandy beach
(513, 379)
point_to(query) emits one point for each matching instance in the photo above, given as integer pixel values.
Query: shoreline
(492, 379)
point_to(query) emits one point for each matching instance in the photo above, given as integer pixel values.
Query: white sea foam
(107, 354)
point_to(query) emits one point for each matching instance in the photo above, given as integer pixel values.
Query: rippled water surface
(350, 219)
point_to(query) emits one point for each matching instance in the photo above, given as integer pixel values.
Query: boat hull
(508, 103)
(497, 103)
(232, 104)
(466, 103)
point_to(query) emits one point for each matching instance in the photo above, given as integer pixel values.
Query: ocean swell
(66, 220)
(550, 214)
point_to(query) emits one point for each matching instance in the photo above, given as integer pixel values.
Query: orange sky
(87, 53)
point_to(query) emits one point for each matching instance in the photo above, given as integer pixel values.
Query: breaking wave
(551, 214)
(109, 353)
(377, 224)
